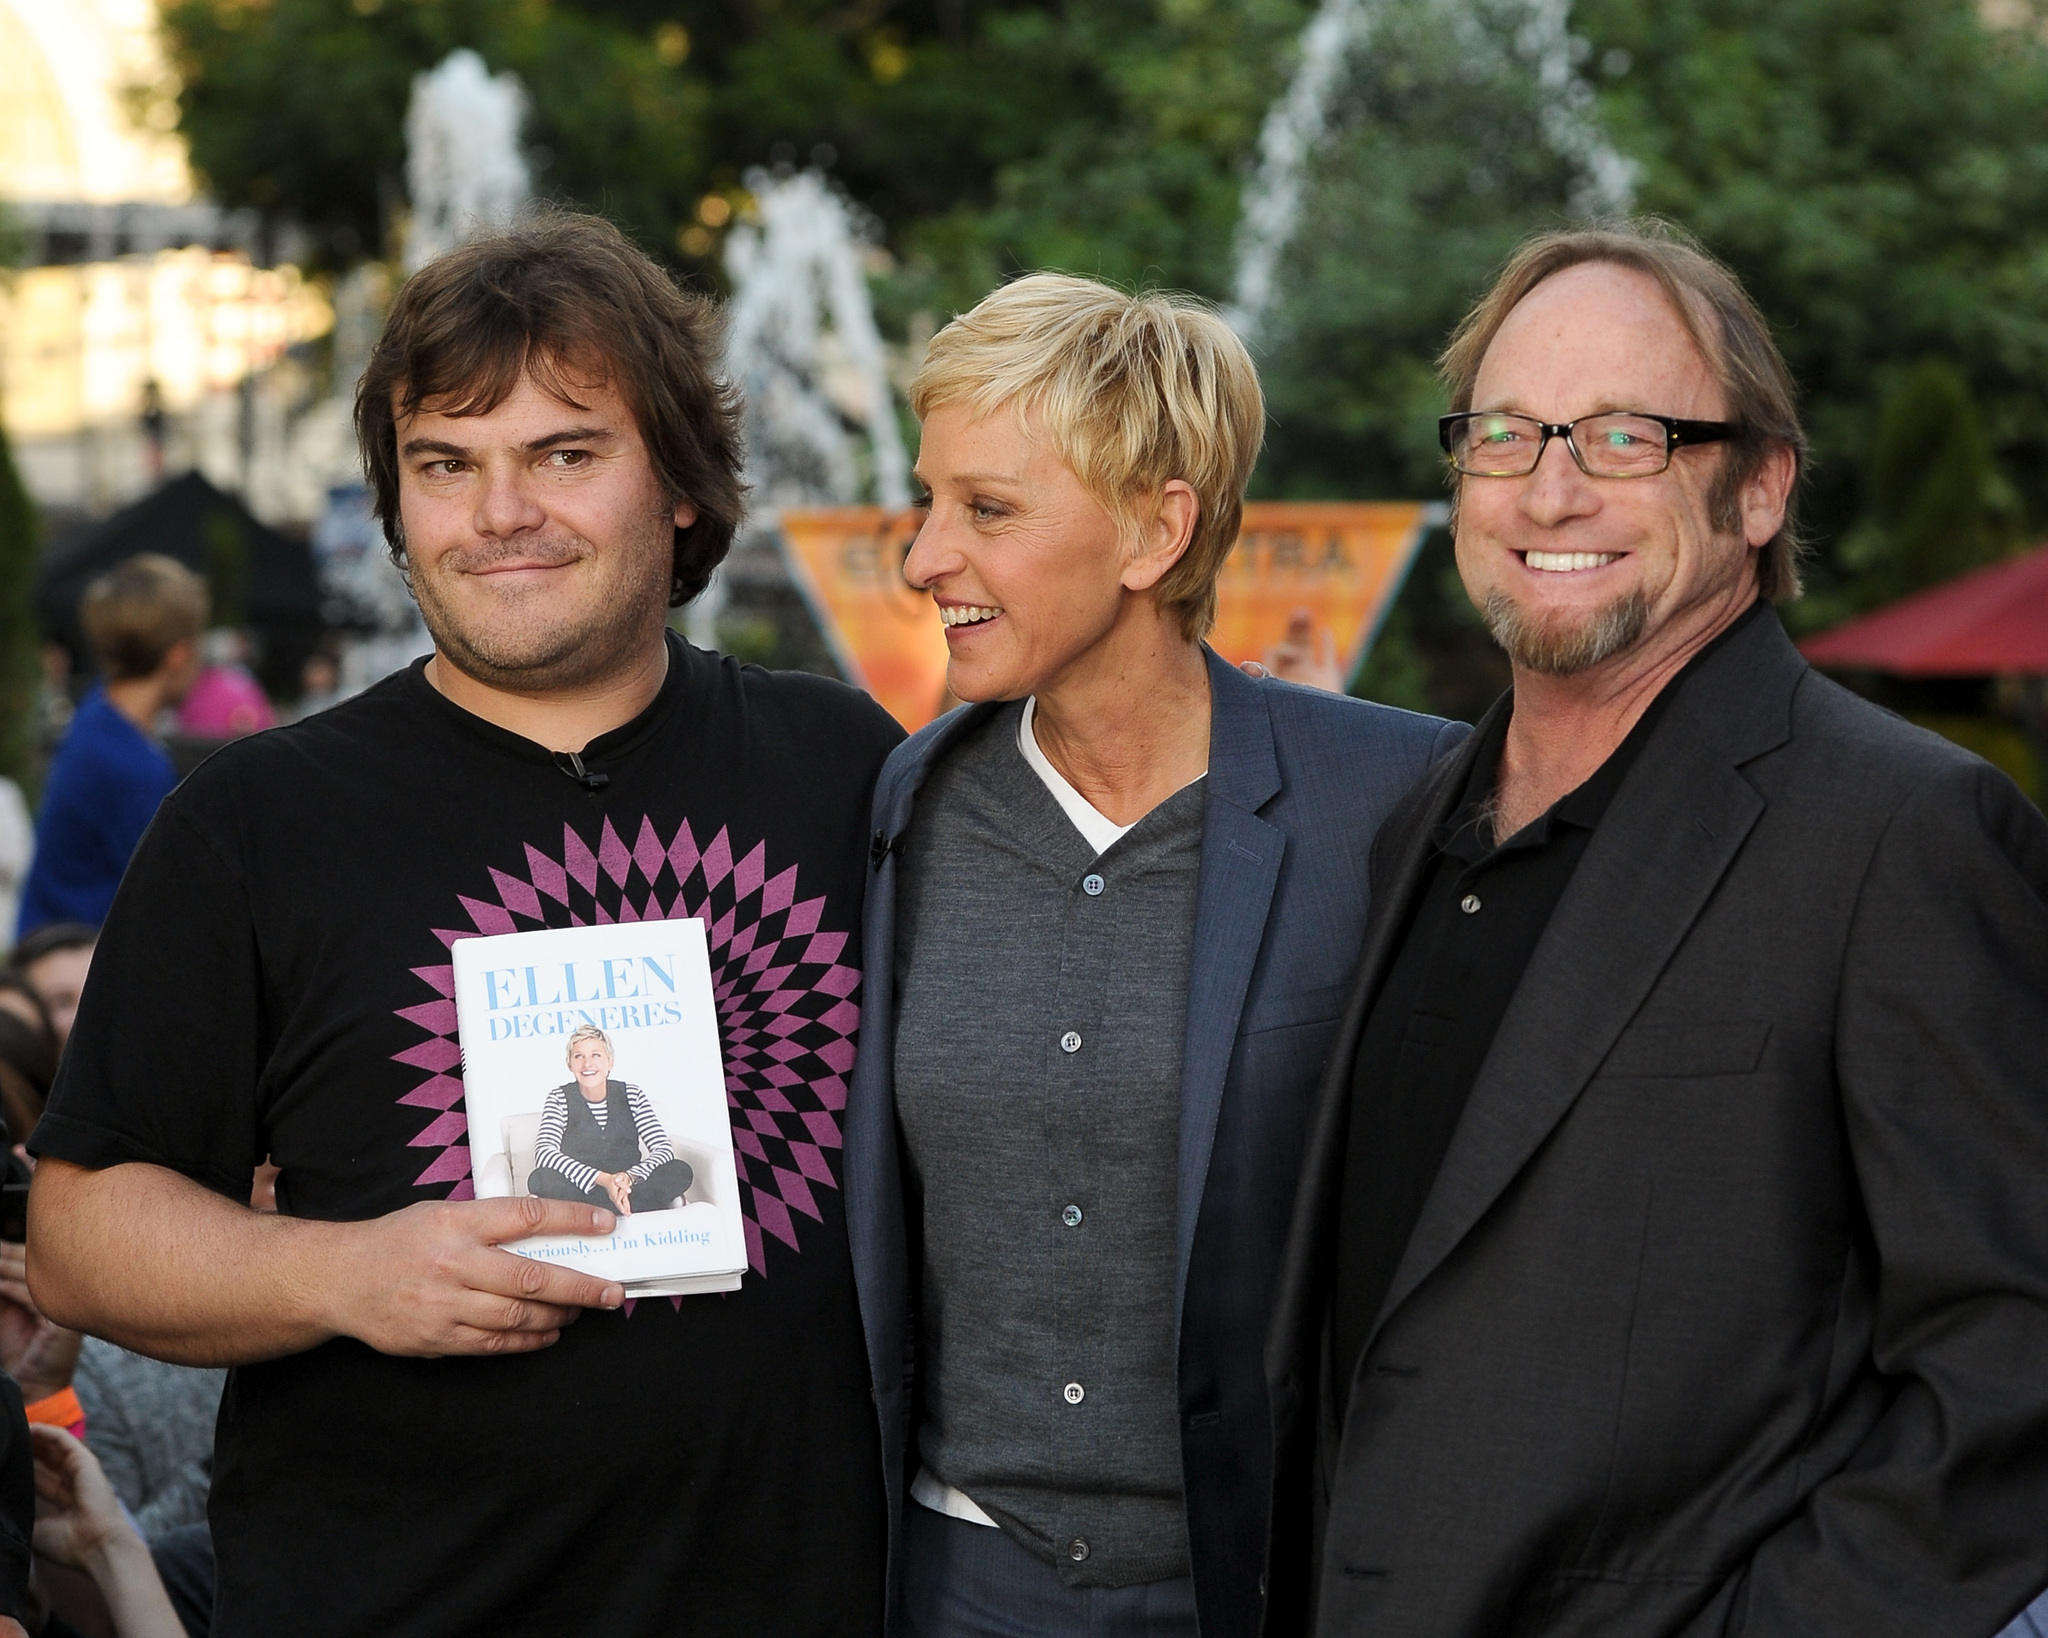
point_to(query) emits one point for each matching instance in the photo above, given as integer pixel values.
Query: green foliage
(1436, 165)
(1433, 652)
(1938, 505)
(297, 107)
(20, 642)
(1877, 172)
(1140, 114)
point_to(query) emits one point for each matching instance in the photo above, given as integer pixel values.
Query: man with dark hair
(1672, 1253)
(557, 462)
(143, 618)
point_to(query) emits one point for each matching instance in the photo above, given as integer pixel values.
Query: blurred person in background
(28, 1057)
(1115, 903)
(19, 997)
(17, 848)
(150, 1423)
(143, 618)
(319, 682)
(17, 1513)
(1307, 654)
(94, 1572)
(53, 962)
(225, 700)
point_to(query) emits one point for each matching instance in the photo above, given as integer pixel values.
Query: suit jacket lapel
(1240, 866)
(1401, 857)
(1673, 829)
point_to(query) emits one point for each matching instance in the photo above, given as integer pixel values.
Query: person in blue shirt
(143, 618)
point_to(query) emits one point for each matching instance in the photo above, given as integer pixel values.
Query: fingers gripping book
(592, 1072)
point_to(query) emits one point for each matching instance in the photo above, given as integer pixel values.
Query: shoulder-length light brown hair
(564, 299)
(1723, 323)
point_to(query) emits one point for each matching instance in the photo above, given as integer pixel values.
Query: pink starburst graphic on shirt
(786, 1008)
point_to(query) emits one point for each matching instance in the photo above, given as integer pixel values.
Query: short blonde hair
(141, 609)
(588, 1032)
(1131, 392)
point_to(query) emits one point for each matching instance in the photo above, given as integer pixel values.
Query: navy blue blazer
(1298, 783)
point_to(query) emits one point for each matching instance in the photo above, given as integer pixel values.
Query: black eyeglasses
(1495, 444)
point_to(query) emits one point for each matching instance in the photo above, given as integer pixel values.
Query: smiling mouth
(967, 615)
(1568, 562)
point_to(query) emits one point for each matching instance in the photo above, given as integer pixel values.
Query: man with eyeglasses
(1672, 1253)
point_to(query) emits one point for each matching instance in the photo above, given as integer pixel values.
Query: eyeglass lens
(1610, 446)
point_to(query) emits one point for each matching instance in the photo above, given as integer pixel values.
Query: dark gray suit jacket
(1728, 1311)
(1298, 782)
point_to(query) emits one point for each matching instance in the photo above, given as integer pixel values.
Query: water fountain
(1299, 124)
(465, 173)
(803, 349)
(463, 166)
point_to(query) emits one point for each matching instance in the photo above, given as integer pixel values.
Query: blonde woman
(1115, 903)
(601, 1141)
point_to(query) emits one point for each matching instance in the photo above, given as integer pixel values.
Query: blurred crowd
(122, 1444)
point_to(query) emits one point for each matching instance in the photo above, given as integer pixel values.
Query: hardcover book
(591, 1072)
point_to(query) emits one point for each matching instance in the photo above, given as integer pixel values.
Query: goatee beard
(1565, 652)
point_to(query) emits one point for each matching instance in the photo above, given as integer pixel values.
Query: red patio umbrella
(1988, 623)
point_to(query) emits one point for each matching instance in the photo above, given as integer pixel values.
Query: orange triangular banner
(1340, 561)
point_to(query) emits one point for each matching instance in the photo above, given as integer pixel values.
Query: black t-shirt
(275, 978)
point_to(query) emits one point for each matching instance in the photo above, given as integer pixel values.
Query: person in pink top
(226, 701)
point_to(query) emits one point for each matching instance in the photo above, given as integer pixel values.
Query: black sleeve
(166, 1053)
(1935, 1524)
(17, 1501)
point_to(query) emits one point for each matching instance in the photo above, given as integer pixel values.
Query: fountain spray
(463, 166)
(1299, 122)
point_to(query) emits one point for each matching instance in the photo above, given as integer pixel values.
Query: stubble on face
(532, 640)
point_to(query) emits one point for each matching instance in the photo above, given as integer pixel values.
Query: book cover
(592, 1072)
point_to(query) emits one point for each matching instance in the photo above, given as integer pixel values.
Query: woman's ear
(1164, 536)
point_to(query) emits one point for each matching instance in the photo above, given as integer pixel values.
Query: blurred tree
(227, 569)
(1877, 172)
(640, 108)
(1436, 164)
(20, 641)
(1142, 114)
(1938, 505)
(297, 108)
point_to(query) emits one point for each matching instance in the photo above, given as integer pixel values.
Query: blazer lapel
(1240, 866)
(1673, 829)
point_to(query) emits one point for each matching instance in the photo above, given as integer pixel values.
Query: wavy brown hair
(563, 299)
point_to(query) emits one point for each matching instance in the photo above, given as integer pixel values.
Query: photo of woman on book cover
(601, 1141)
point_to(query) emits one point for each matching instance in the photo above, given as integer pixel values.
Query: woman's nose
(930, 557)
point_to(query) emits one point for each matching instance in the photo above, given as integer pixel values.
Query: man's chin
(536, 656)
(1565, 645)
